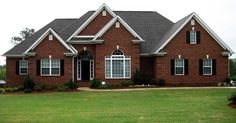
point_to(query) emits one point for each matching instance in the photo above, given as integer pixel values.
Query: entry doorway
(85, 66)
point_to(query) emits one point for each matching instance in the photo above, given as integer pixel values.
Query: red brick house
(111, 45)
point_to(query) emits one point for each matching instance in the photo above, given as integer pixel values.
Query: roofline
(50, 30)
(103, 6)
(111, 22)
(205, 26)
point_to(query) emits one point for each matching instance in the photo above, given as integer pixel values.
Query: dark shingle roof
(150, 25)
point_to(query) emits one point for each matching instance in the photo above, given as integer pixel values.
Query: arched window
(118, 65)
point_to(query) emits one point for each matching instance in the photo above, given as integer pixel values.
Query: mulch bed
(232, 105)
(40, 92)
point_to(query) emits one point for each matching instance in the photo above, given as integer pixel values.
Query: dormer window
(104, 13)
(117, 24)
(50, 37)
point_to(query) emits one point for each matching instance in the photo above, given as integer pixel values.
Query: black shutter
(188, 37)
(185, 66)
(17, 67)
(198, 37)
(172, 66)
(214, 66)
(62, 67)
(200, 67)
(38, 67)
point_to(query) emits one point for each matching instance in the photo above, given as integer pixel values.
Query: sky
(15, 15)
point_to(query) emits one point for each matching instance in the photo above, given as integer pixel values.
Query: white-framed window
(117, 24)
(104, 13)
(23, 67)
(179, 66)
(193, 37)
(50, 67)
(50, 37)
(207, 66)
(117, 65)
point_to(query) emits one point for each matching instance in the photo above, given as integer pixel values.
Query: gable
(45, 35)
(96, 24)
(181, 24)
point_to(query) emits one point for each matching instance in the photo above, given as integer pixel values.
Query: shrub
(12, 89)
(47, 87)
(126, 83)
(71, 84)
(227, 80)
(27, 90)
(95, 83)
(38, 88)
(161, 82)
(232, 97)
(62, 88)
(153, 82)
(28, 84)
(137, 78)
(233, 78)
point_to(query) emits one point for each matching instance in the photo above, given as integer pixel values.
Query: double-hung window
(117, 65)
(179, 66)
(23, 67)
(50, 67)
(207, 66)
(193, 37)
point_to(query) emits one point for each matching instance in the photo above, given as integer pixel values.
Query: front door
(85, 70)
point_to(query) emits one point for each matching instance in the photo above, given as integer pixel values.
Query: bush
(28, 84)
(27, 90)
(232, 97)
(137, 78)
(38, 88)
(47, 87)
(12, 89)
(227, 80)
(71, 84)
(161, 82)
(95, 83)
(62, 88)
(153, 82)
(233, 78)
(126, 83)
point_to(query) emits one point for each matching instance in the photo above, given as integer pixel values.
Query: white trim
(86, 42)
(73, 69)
(205, 26)
(102, 7)
(111, 22)
(91, 69)
(78, 66)
(14, 56)
(84, 36)
(40, 39)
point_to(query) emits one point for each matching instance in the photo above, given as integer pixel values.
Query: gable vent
(50, 37)
(104, 13)
(192, 22)
(117, 24)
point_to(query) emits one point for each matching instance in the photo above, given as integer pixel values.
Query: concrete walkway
(160, 88)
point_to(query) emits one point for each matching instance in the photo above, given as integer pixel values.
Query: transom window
(193, 37)
(118, 65)
(23, 67)
(207, 66)
(179, 66)
(50, 67)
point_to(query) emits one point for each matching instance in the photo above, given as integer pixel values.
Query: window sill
(118, 78)
(23, 74)
(51, 75)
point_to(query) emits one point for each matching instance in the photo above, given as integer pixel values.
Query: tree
(232, 63)
(24, 34)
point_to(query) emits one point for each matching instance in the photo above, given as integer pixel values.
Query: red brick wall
(12, 78)
(96, 24)
(147, 66)
(178, 46)
(112, 38)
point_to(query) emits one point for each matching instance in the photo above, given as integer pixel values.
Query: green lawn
(200, 105)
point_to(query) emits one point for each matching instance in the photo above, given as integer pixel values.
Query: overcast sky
(15, 15)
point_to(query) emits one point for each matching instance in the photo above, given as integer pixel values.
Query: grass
(150, 106)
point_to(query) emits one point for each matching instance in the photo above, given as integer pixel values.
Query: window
(50, 37)
(117, 65)
(117, 24)
(91, 69)
(207, 66)
(50, 67)
(23, 67)
(193, 37)
(104, 13)
(179, 66)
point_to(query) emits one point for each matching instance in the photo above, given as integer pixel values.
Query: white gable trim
(109, 24)
(40, 39)
(104, 6)
(205, 26)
